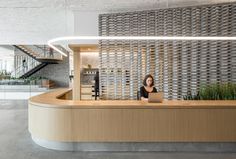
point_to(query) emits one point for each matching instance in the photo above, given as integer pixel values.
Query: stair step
(30, 52)
(41, 60)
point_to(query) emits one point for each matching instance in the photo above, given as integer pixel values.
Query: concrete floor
(15, 141)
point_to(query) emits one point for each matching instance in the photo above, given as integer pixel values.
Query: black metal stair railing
(21, 70)
(40, 56)
(34, 70)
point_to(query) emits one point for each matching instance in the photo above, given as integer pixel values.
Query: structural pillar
(76, 83)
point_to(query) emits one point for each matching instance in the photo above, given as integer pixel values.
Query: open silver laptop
(155, 97)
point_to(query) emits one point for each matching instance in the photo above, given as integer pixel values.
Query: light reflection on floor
(18, 95)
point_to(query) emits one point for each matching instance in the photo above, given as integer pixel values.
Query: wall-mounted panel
(178, 67)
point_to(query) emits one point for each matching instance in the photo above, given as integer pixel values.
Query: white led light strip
(50, 42)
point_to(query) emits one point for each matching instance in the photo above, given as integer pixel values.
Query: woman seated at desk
(148, 87)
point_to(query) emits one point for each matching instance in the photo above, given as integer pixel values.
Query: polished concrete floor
(16, 143)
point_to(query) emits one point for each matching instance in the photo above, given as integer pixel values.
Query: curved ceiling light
(50, 42)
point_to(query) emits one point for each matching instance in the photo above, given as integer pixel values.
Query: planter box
(47, 83)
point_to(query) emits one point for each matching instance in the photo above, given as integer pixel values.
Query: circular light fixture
(168, 38)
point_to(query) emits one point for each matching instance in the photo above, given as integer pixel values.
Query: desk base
(138, 146)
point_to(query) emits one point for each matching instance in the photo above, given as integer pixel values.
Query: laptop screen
(155, 97)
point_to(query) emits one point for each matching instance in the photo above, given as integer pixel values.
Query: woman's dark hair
(145, 79)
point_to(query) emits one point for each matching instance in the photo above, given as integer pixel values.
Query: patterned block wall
(177, 66)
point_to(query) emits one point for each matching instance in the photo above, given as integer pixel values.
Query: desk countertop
(51, 99)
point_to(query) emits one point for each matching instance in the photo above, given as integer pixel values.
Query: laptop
(155, 97)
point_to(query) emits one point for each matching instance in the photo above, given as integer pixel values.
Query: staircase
(39, 59)
(26, 50)
(34, 70)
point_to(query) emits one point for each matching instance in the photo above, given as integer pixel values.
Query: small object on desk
(155, 97)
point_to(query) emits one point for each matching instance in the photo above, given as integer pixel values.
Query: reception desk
(53, 118)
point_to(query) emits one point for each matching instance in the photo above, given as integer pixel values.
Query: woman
(148, 87)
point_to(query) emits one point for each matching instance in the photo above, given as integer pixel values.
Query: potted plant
(215, 91)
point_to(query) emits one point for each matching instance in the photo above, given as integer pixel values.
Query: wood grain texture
(51, 99)
(67, 95)
(76, 81)
(131, 121)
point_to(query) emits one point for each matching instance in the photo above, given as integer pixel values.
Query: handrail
(39, 47)
(46, 52)
(20, 70)
(34, 49)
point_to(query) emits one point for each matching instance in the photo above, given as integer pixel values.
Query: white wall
(6, 59)
(89, 58)
(86, 24)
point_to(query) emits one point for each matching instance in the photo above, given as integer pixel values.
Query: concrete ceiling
(106, 5)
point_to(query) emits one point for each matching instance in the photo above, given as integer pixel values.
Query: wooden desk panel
(131, 121)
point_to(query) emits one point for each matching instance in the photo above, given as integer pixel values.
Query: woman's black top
(144, 93)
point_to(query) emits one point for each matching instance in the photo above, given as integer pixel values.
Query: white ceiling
(106, 5)
(37, 21)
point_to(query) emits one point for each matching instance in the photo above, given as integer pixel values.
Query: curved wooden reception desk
(59, 120)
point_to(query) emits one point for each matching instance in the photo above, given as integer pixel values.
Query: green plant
(43, 78)
(33, 80)
(215, 91)
(4, 75)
